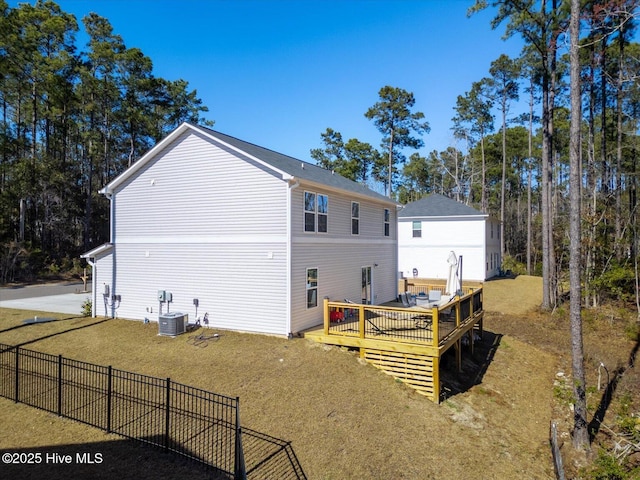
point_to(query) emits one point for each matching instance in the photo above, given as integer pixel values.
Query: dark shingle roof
(436, 205)
(297, 168)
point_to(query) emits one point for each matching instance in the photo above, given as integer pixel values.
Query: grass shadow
(607, 395)
(106, 460)
(22, 325)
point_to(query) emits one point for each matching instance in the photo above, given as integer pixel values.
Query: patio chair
(407, 299)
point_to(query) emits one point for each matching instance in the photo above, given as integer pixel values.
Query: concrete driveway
(63, 297)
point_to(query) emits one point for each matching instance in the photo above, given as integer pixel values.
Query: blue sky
(279, 72)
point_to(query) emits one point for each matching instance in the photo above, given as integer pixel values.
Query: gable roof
(436, 205)
(288, 167)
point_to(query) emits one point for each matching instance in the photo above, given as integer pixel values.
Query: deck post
(326, 315)
(361, 327)
(434, 322)
(436, 379)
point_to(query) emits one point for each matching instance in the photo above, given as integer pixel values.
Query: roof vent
(302, 166)
(333, 172)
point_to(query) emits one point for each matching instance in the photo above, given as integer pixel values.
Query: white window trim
(305, 211)
(413, 229)
(315, 212)
(386, 221)
(308, 287)
(355, 218)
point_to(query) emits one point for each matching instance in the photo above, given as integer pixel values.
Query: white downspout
(293, 184)
(93, 286)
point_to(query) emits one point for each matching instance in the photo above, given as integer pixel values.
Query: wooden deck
(406, 343)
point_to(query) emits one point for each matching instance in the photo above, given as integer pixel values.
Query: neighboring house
(429, 229)
(252, 237)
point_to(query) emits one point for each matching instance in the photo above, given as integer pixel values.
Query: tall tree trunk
(483, 199)
(580, 430)
(553, 50)
(618, 173)
(504, 178)
(529, 167)
(390, 160)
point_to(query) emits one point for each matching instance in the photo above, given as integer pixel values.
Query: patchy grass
(345, 418)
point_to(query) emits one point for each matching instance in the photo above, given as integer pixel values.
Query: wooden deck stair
(407, 344)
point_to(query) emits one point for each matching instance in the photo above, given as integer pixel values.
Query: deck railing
(426, 326)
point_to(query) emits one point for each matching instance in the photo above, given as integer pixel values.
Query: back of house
(207, 223)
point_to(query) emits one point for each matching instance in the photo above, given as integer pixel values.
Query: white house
(253, 238)
(431, 228)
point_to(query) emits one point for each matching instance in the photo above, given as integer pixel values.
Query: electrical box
(172, 324)
(162, 296)
(169, 296)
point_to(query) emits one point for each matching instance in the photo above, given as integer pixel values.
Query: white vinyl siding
(339, 224)
(203, 222)
(199, 222)
(340, 275)
(429, 253)
(240, 286)
(103, 272)
(339, 256)
(193, 188)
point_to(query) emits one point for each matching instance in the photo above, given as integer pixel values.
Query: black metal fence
(194, 423)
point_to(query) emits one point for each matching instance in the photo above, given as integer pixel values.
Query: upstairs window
(387, 225)
(316, 211)
(323, 212)
(417, 229)
(309, 212)
(355, 218)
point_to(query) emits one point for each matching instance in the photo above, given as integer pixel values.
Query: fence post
(167, 416)
(60, 385)
(109, 384)
(239, 472)
(17, 382)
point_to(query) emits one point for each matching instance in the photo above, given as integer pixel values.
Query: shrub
(87, 307)
(607, 467)
(618, 283)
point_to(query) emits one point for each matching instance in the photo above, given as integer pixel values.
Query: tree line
(515, 165)
(71, 120)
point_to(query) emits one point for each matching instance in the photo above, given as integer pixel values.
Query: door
(366, 285)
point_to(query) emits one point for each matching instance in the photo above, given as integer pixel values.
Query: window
(316, 209)
(387, 215)
(312, 287)
(309, 212)
(323, 211)
(417, 229)
(355, 218)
